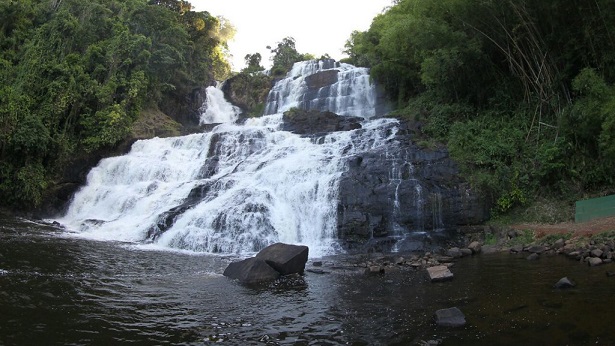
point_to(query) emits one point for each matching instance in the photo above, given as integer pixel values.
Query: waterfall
(237, 188)
(324, 85)
(216, 109)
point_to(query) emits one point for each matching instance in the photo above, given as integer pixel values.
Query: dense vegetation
(76, 73)
(521, 91)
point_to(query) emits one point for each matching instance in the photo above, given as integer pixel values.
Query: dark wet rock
(575, 255)
(516, 249)
(316, 271)
(596, 253)
(466, 252)
(454, 252)
(317, 264)
(375, 270)
(401, 186)
(564, 282)
(536, 249)
(285, 258)
(532, 257)
(594, 261)
(610, 274)
(452, 317)
(321, 79)
(439, 273)
(314, 122)
(444, 259)
(475, 247)
(251, 271)
(560, 243)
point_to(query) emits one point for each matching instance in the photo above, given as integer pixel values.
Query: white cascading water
(262, 185)
(216, 110)
(353, 94)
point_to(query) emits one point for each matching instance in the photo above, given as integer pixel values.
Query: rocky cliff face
(404, 192)
(248, 91)
(400, 195)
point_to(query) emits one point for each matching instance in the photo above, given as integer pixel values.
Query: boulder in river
(269, 264)
(594, 261)
(452, 317)
(475, 247)
(564, 282)
(285, 258)
(250, 271)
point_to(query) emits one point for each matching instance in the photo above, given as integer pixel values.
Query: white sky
(318, 26)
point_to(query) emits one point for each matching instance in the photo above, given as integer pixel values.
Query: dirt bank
(588, 228)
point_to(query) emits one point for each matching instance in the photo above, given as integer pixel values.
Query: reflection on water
(60, 290)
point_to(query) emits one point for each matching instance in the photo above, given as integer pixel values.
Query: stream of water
(58, 290)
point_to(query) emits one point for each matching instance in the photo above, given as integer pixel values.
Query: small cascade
(235, 189)
(216, 109)
(402, 171)
(324, 85)
(436, 211)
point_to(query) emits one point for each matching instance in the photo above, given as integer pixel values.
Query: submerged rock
(533, 256)
(564, 282)
(452, 317)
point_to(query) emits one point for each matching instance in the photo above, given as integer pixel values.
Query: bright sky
(318, 26)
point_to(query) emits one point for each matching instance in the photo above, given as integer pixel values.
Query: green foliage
(75, 75)
(284, 55)
(253, 63)
(523, 237)
(525, 103)
(294, 111)
(490, 239)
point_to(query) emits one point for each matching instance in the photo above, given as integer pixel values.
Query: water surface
(57, 289)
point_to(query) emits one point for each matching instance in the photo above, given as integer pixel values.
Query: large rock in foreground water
(285, 258)
(269, 264)
(250, 271)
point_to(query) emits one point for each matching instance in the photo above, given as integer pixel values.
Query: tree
(253, 62)
(284, 55)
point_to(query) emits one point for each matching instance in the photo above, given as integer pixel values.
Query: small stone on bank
(536, 249)
(596, 253)
(533, 257)
(452, 317)
(374, 270)
(594, 261)
(474, 246)
(454, 252)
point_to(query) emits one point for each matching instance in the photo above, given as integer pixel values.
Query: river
(56, 288)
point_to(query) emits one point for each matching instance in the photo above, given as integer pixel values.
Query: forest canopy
(76, 73)
(521, 91)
